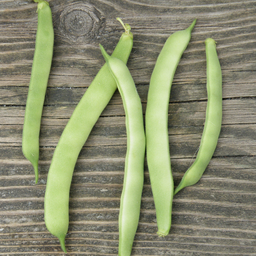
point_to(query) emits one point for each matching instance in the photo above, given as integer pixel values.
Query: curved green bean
(213, 118)
(134, 161)
(38, 83)
(73, 138)
(158, 156)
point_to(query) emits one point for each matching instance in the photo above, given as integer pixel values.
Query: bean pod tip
(104, 53)
(210, 40)
(190, 28)
(162, 234)
(62, 243)
(36, 176)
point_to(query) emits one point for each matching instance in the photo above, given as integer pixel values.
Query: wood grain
(214, 217)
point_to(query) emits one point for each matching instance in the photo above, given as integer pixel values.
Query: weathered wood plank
(214, 217)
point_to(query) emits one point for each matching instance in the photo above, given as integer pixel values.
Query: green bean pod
(135, 155)
(213, 118)
(38, 83)
(73, 138)
(158, 154)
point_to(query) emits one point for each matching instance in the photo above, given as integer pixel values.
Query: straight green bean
(135, 155)
(158, 154)
(38, 83)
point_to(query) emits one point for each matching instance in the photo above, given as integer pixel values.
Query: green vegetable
(134, 162)
(158, 155)
(38, 84)
(213, 118)
(73, 138)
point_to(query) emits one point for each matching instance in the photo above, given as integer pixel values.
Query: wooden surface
(214, 217)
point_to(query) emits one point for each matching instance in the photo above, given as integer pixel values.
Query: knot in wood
(81, 22)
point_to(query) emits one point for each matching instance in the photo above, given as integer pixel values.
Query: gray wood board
(214, 217)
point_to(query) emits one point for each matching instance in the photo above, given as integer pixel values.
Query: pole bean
(135, 155)
(73, 138)
(158, 155)
(213, 118)
(38, 83)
